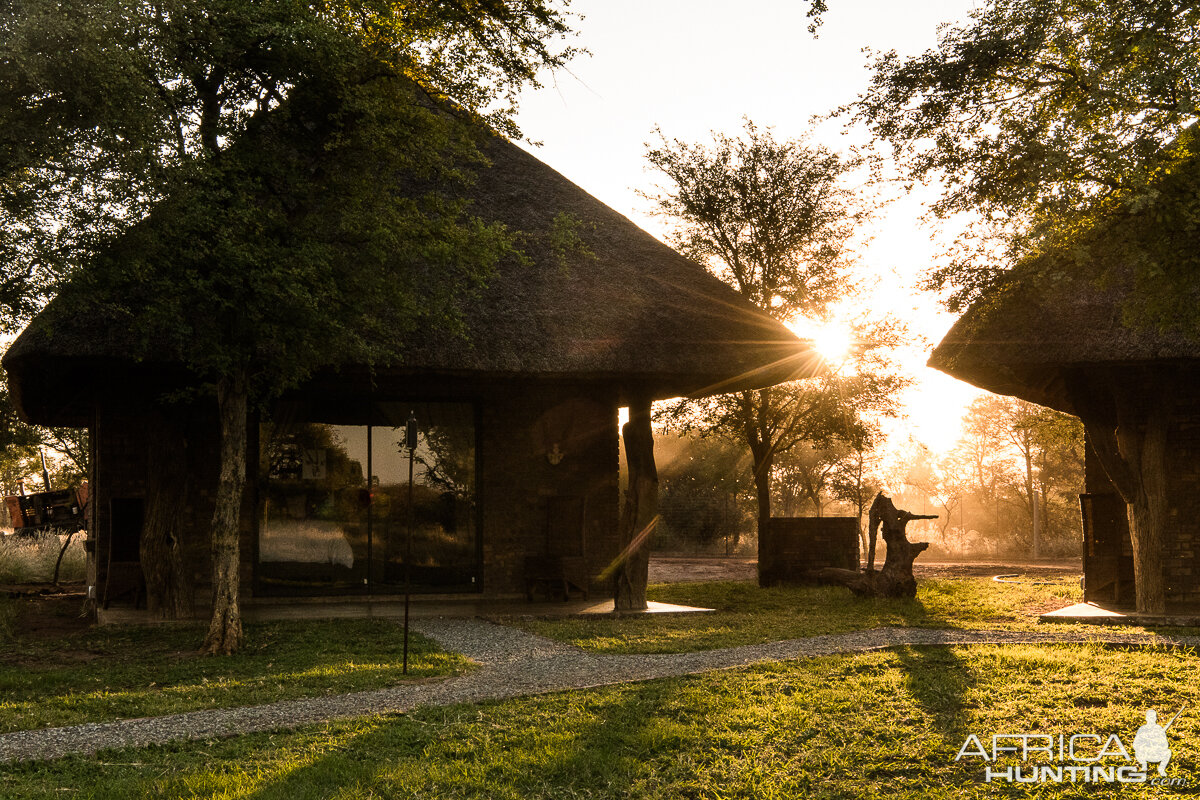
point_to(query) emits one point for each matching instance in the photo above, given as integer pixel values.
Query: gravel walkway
(515, 664)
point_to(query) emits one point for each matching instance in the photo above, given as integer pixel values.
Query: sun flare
(833, 343)
(831, 340)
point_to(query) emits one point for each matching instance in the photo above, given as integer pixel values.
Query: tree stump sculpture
(896, 578)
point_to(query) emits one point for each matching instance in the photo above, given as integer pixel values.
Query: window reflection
(444, 551)
(324, 530)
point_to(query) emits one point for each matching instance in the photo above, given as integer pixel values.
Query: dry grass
(31, 560)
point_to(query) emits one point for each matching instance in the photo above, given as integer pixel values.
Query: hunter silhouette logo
(1150, 741)
(1077, 758)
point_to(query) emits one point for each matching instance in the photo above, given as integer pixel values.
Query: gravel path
(514, 664)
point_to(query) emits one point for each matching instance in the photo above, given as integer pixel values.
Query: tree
(1033, 112)
(895, 579)
(770, 219)
(107, 105)
(804, 473)
(856, 480)
(707, 492)
(1016, 457)
(252, 186)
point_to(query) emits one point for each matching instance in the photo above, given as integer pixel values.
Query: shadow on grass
(481, 750)
(938, 680)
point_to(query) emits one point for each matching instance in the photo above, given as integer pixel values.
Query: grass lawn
(108, 673)
(747, 614)
(882, 724)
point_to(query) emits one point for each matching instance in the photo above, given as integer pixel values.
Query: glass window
(326, 529)
(444, 546)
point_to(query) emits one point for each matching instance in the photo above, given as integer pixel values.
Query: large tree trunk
(896, 578)
(225, 629)
(1134, 461)
(640, 514)
(763, 463)
(1133, 454)
(168, 590)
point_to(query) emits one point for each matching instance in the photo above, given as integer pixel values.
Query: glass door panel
(313, 532)
(444, 546)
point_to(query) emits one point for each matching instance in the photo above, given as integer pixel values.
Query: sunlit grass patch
(119, 672)
(748, 614)
(879, 724)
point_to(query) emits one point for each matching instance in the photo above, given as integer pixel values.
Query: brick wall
(529, 503)
(790, 547)
(1181, 572)
(119, 461)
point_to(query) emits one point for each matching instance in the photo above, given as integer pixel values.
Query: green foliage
(1011, 452)
(255, 189)
(767, 217)
(295, 250)
(1033, 112)
(108, 107)
(771, 219)
(565, 242)
(1143, 247)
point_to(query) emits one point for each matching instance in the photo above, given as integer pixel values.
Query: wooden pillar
(1129, 438)
(640, 514)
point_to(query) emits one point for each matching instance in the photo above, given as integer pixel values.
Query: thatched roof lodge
(1106, 329)
(518, 462)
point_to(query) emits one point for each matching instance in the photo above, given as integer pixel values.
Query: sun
(832, 341)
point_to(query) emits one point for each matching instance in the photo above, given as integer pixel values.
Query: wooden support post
(1129, 437)
(640, 514)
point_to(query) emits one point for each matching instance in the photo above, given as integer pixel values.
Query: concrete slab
(1087, 612)
(1107, 614)
(652, 607)
(264, 609)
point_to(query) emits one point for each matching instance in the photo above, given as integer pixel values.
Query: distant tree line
(1017, 468)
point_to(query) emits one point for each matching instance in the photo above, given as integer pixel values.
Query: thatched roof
(635, 313)
(1122, 296)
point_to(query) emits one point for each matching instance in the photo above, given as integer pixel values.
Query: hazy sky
(693, 67)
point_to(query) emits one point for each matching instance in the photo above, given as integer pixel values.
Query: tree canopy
(1032, 113)
(109, 106)
(253, 187)
(773, 219)
(769, 217)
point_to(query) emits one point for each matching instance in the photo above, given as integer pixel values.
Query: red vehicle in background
(53, 510)
(60, 510)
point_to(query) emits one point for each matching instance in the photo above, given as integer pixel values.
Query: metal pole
(410, 438)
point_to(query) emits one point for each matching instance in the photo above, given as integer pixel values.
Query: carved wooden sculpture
(896, 578)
